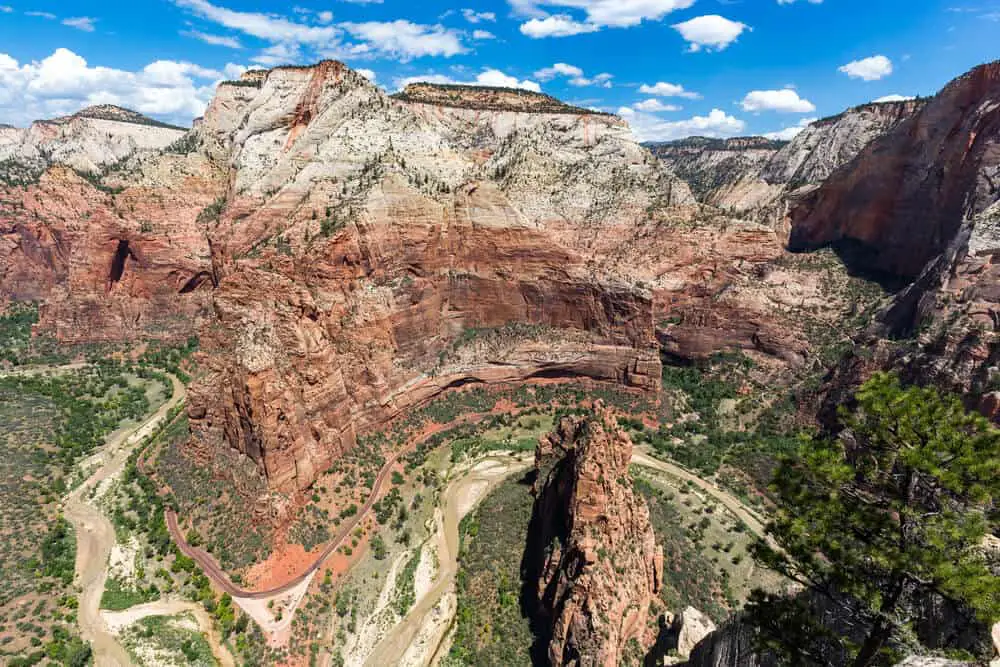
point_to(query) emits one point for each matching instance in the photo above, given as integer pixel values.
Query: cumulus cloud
(711, 32)
(790, 133)
(262, 26)
(663, 89)
(648, 127)
(406, 40)
(482, 34)
(368, 74)
(654, 105)
(868, 69)
(64, 82)
(786, 100)
(603, 13)
(472, 16)
(493, 78)
(558, 25)
(894, 98)
(574, 75)
(398, 39)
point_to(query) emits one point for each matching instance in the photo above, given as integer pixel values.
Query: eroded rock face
(905, 197)
(591, 546)
(363, 235)
(761, 178)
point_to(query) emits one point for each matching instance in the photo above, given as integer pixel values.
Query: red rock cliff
(906, 195)
(591, 545)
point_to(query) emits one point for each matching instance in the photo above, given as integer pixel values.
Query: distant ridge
(119, 114)
(488, 98)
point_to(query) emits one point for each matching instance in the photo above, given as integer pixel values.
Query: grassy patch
(171, 639)
(490, 629)
(118, 597)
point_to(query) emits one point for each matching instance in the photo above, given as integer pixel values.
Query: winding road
(213, 571)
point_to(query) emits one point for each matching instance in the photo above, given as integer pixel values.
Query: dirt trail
(399, 647)
(728, 500)
(116, 621)
(95, 536)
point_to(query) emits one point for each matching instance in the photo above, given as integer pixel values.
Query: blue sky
(726, 67)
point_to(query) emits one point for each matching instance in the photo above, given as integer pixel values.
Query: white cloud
(482, 34)
(214, 40)
(406, 40)
(790, 133)
(711, 32)
(6, 9)
(785, 100)
(894, 98)
(400, 39)
(64, 82)
(84, 23)
(604, 13)
(654, 105)
(368, 74)
(263, 26)
(792, 2)
(488, 77)
(603, 80)
(868, 69)
(472, 16)
(558, 69)
(647, 127)
(279, 54)
(574, 75)
(42, 15)
(663, 89)
(559, 25)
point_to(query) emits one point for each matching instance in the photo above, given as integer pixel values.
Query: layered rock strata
(591, 547)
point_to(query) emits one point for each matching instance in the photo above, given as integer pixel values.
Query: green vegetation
(895, 515)
(405, 594)
(17, 347)
(50, 422)
(690, 578)
(209, 497)
(117, 596)
(170, 635)
(490, 629)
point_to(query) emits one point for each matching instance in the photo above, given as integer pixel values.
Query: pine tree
(894, 509)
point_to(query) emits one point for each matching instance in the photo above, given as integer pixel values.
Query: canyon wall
(111, 254)
(904, 198)
(368, 243)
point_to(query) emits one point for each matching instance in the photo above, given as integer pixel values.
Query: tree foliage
(892, 511)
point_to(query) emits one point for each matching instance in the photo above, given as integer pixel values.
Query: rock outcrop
(591, 546)
(88, 141)
(709, 165)
(761, 178)
(364, 235)
(906, 196)
(113, 255)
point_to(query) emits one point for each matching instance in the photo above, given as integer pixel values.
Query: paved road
(212, 570)
(95, 536)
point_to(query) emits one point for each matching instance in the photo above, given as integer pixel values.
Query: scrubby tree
(894, 509)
